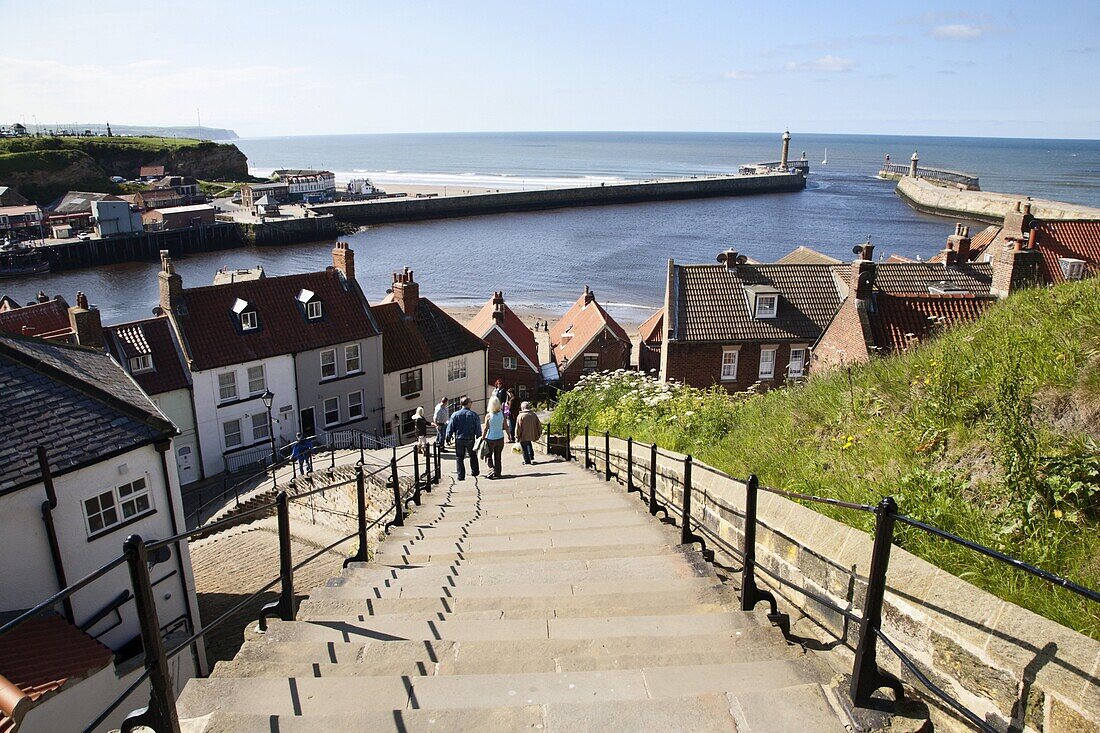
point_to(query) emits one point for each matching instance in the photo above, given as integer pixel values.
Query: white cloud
(825, 63)
(957, 32)
(740, 75)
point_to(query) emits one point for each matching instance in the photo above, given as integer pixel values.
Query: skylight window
(313, 310)
(767, 305)
(244, 311)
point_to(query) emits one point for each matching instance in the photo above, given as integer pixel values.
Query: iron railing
(160, 714)
(867, 676)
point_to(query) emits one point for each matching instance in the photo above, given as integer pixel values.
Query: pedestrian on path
(420, 425)
(301, 450)
(440, 418)
(511, 412)
(528, 430)
(465, 428)
(494, 435)
(499, 392)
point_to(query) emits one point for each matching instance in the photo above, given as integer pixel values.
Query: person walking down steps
(494, 435)
(528, 431)
(420, 425)
(464, 428)
(440, 418)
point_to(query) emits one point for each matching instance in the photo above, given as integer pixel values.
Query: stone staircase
(546, 601)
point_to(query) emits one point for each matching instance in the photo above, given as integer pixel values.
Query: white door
(185, 464)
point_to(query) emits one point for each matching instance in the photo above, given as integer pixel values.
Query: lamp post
(268, 396)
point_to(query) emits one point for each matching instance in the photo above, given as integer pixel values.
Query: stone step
(518, 590)
(389, 555)
(307, 696)
(259, 658)
(401, 626)
(547, 523)
(561, 605)
(327, 614)
(520, 541)
(804, 708)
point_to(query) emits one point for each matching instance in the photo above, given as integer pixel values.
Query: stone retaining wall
(982, 205)
(1018, 670)
(337, 507)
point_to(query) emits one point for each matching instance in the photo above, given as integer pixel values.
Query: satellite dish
(742, 259)
(858, 249)
(721, 257)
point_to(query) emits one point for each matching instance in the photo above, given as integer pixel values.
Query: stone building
(586, 339)
(650, 338)
(513, 355)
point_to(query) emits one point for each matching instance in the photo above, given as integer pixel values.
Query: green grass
(989, 431)
(90, 144)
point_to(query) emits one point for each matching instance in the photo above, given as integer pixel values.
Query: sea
(543, 260)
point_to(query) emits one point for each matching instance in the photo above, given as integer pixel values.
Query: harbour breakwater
(985, 206)
(381, 211)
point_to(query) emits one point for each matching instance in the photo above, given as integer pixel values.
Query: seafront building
(587, 339)
(85, 460)
(427, 356)
(307, 186)
(513, 356)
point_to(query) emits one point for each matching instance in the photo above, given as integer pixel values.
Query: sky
(995, 69)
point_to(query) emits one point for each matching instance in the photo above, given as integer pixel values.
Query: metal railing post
(361, 501)
(332, 452)
(685, 507)
(284, 607)
(568, 442)
(607, 455)
(587, 460)
(362, 457)
(438, 462)
(653, 479)
(160, 713)
(398, 507)
(416, 476)
(750, 593)
(867, 677)
(630, 465)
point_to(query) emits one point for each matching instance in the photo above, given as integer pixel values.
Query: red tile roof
(652, 331)
(512, 326)
(431, 336)
(155, 337)
(41, 319)
(213, 338)
(1075, 239)
(899, 320)
(585, 323)
(45, 654)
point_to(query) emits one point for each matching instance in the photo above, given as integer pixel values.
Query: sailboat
(826, 161)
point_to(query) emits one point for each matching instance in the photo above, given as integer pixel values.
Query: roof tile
(512, 325)
(585, 322)
(431, 336)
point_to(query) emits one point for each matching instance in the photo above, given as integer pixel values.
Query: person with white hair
(528, 430)
(420, 425)
(494, 435)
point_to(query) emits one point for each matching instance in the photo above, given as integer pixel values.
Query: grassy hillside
(991, 431)
(91, 144)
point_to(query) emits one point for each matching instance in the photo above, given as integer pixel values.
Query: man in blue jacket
(465, 428)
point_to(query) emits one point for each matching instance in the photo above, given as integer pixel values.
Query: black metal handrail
(867, 676)
(160, 714)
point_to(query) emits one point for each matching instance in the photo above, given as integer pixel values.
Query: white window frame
(355, 405)
(331, 353)
(731, 374)
(325, 411)
(141, 363)
(773, 311)
(222, 387)
(227, 433)
(790, 361)
(249, 322)
(126, 500)
(457, 369)
(584, 362)
(261, 428)
(314, 310)
(510, 362)
(357, 359)
(770, 373)
(252, 378)
(419, 379)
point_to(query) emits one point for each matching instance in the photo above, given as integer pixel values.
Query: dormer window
(141, 363)
(767, 305)
(247, 314)
(946, 288)
(310, 303)
(1072, 268)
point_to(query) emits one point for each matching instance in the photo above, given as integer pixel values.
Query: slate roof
(76, 402)
(431, 336)
(585, 323)
(915, 277)
(1077, 239)
(710, 302)
(40, 319)
(211, 332)
(898, 320)
(512, 325)
(156, 337)
(806, 256)
(79, 202)
(44, 654)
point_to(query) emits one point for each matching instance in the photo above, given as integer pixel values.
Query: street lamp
(268, 396)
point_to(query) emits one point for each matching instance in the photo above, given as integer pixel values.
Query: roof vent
(1072, 268)
(944, 287)
(305, 296)
(239, 306)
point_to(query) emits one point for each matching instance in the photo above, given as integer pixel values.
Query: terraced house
(513, 352)
(587, 339)
(307, 345)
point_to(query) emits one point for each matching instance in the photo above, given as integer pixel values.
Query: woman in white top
(494, 435)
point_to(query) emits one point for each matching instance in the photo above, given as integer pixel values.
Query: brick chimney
(498, 307)
(589, 296)
(958, 245)
(1018, 221)
(1015, 266)
(729, 259)
(406, 292)
(85, 323)
(862, 279)
(343, 259)
(171, 284)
